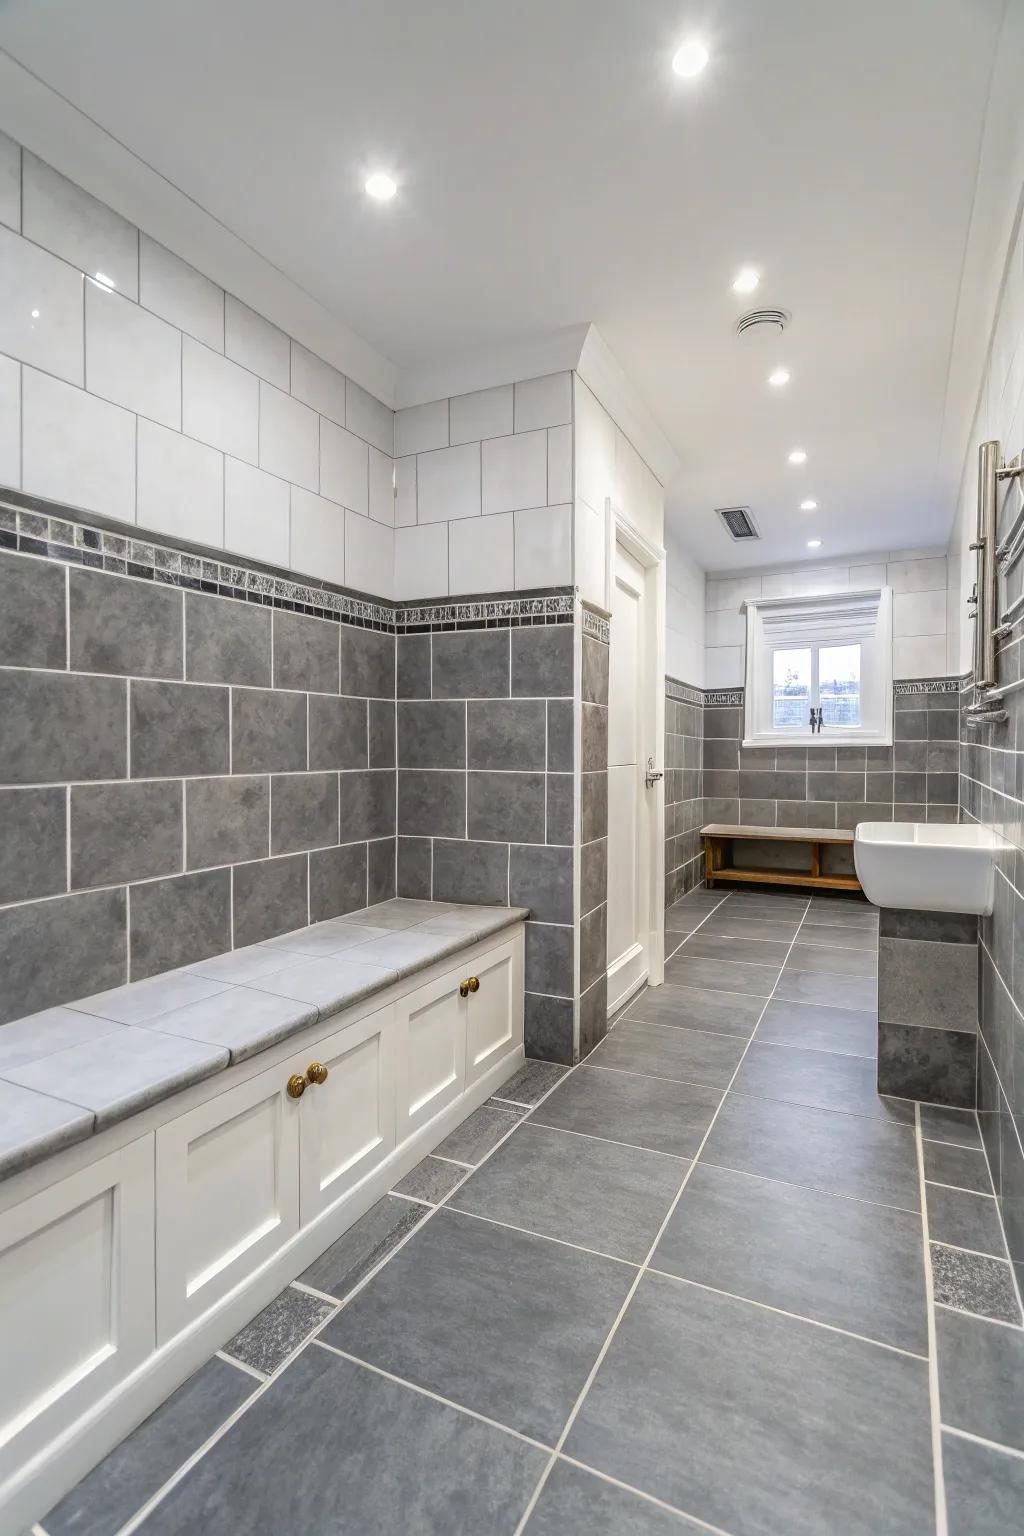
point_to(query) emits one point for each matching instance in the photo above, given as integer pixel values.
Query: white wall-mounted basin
(927, 868)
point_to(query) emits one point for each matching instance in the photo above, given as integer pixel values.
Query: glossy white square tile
(369, 555)
(289, 438)
(723, 666)
(448, 483)
(421, 561)
(75, 448)
(369, 418)
(255, 343)
(344, 467)
(731, 593)
(485, 413)
(317, 536)
(382, 487)
(726, 626)
(559, 465)
(405, 491)
(40, 308)
(10, 422)
(543, 402)
(543, 547)
(916, 575)
(481, 555)
(317, 384)
(220, 401)
(514, 472)
(419, 428)
(181, 485)
(10, 182)
(73, 224)
(919, 656)
(919, 613)
(180, 295)
(256, 509)
(132, 357)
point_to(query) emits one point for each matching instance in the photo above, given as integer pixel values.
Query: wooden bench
(718, 856)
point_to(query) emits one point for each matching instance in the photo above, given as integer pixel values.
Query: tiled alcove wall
(684, 806)
(593, 897)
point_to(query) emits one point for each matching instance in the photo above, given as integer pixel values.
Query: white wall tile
(40, 308)
(919, 613)
(421, 561)
(317, 536)
(419, 428)
(448, 483)
(179, 294)
(317, 384)
(255, 343)
(220, 402)
(559, 465)
(289, 438)
(255, 513)
(481, 555)
(543, 547)
(10, 422)
(132, 357)
(514, 472)
(867, 576)
(485, 413)
(725, 626)
(723, 666)
(369, 418)
(919, 656)
(405, 491)
(595, 450)
(822, 579)
(181, 485)
(71, 223)
(916, 575)
(344, 467)
(590, 554)
(778, 584)
(75, 448)
(382, 487)
(369, 555)
(732, 592)
(10, 182)
(543, 402)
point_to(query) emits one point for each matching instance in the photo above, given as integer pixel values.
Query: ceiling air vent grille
(773, 319)
(739, 523)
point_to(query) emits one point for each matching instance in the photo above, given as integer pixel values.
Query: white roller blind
(821, 620)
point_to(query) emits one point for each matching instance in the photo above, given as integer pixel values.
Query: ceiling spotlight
(381, 186)
(35, 314)
(746, 280)
(690, 59)
(808, 506)
(798, 456)
(813, 543)
(779, 377)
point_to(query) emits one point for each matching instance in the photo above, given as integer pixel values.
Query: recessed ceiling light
(808, 506)
(381, 186)
(746, 280)
(691, 59)
(798, 456)
(779, 377)
(103, 281)
(35, 314)
(813, 543)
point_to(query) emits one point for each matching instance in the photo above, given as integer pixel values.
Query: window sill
(819, 739)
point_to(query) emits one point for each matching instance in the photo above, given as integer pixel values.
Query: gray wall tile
(269, 898)
(593, 946)
(337, 881)
(414, 864)
(593, 875)
(227, 641)
(432, 734)
(560, 808)
(179, 921)
(381, 870)
(594, 806)
(593, 1015)
(926, 983)
(178, 728)
(471, 664)
(33, 855)
(54, 951)
(367, 663)
(936, 1065)
(542, 661)
(382, 733)
(32, 616)
(268, 731)
(413, 681)
(549, 959)
(506, 733)
(938, 927)
(594, 738)
(470, 872)
(431, 803)
(548, 1028)
(227, 821)
(306, 653)
(542, 879)
(595, 670)
(58, 726)
(132, 628)
(122, 832)
(338, 732)
(367, 805)
(560, 735)
(506, 807)
(303, 811)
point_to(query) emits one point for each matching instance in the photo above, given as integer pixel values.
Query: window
(820, 668)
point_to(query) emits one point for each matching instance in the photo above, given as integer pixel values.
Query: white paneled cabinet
(494, 1010)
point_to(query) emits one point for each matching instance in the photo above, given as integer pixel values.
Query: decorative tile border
(927, 685)
(732, 697)
(683, 693)
(554, 607)
(596, 625)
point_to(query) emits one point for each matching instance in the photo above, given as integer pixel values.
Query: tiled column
(593, 882)
(928, 1006)
(684, 708)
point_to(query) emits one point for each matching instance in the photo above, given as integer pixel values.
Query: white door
(628, 820)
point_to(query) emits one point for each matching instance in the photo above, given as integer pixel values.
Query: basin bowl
(927, 868)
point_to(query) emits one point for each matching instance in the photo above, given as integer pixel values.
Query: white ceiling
(553, 170)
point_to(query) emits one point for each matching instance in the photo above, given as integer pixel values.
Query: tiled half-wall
(684, 806)
(593, 885)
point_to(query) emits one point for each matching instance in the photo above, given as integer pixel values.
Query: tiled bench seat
(72, 1071)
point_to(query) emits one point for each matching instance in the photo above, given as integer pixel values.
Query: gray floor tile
(984, 1489)
(473, 1139)
(833, 960)
(781, 930)
(430, 1180)
(720, 976)
(832, 991)
(684, 922)
(847, 1031)
(704, 946)
(366, 1242)
(592, 1193)
(964, 1220)
(981, 1367)
(860, 913)
(639, 1111)
(974, 1282)
(576, 1503)
(278, 1330)
(490, 1318)
(821, 1079)
(725, 1013)
(121, 1483)
(333, 1447)
(849, 937)
(777, 1426)
(961, 1167)
(839, 1154)
(844, 1262)
(954, 1125)
(531, 1082)
(660, 1051)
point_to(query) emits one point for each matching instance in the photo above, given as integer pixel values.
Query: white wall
(607, 465)
(684, 615)
(918, 579)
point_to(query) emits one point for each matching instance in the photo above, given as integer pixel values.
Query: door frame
(620, 530)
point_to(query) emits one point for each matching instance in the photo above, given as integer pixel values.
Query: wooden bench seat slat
(718, 838)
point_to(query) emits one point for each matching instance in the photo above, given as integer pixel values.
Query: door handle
(653, 774)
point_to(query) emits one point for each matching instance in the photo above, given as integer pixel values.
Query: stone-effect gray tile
(549, 959)
(955, 1125)
(548, 1027)
(964, 1220)
(472, 664)
(268, 731)
(331, 982)
(303, 811)
(227, 821)
(560, 736)
(981, 1367)
(277, 1331)
(413, 666)
(366, 1243)
(53, 951)
(560, 808)
(646, 1112)
(593, 929)
(576, 1503)
(431, 1180)
(939, 1065)
(685, 1055)
(830, 991)
(382, 733)
(33, 858)
(179, 920)
(413, 877)
(682, 1007)
(845, 1031)
(721, 975)
(961, 1167)
(593, 806)
(542, 880)
(34, 1126)
(226, 641)
(593, 738)
(974, 1282)
(61, 726)
(541, 661)
(532, 1081)
(507, 733)
(144, 1001)
(595, 670)
(593, 874)
(466, 871)
(41, 1034)
(471, 1141)
(937, 927)
(367, 804)
(122, 832)
(432, 734)
(984, 1488)
(270, 897)
(178, 729)
(506, 807)
(380, 873)
(367, 663)
(925, 983)
(131, 628)
(305, 653)
(708, 946)
(242, 1020)
(338, 735)
(821, 1079)
(834, 960)
(431, 804)
(31, 612)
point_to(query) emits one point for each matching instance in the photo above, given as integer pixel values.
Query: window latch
(816, 720)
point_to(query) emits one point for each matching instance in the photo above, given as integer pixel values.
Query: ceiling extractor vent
(772, 319)
(739, 523)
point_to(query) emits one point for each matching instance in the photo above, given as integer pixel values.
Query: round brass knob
(474, 983)
(463, 988)
(296, 1086)
(316, 1072)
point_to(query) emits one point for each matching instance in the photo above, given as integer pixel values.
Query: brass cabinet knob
(316, 1072)
(474, 983)
(463, 988)
(296, 1086)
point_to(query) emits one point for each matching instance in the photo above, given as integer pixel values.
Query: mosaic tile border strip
(76, 543)
(683, 693)
(731, 697)
(596, 626)
(927, 685)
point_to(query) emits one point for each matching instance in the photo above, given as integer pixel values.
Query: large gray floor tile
(430, 1180)
(333, 1447)
(821, 1079)
(721, 976)
(840, 1154)
(833, 960)
(847, 1031)
(639, 1111)
(757, 1423)
(593, 1193)
(984, 1489)
(960, 1167)
(533, 1080)
(964, 1219)
(121, 1483)
(273, 1334)
(729, 927)
(832, 991)
(366, 1242)
(503, 1322)
(975, 1282)
(959, 1126)
(660, 1051)
(981, 1371)
(576, 1503)
(703, 946)
(852, 936)
(725, 1013)
(844, 1262)
(473, 1139)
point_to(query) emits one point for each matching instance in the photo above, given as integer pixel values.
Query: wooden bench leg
(815, 860)
(709, 863)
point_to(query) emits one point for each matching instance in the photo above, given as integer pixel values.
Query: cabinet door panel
(432, 1052)
(348, 1121)
(495, 1018)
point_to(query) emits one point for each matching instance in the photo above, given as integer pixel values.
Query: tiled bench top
(71, 1071)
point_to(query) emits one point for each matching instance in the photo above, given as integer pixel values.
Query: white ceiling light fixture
(779, 378)
(690, 59)
(813, 543)
(798, 456)
(381, 186)
(808, 506)
(746, 280)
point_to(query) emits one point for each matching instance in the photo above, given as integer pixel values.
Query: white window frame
(861, 617)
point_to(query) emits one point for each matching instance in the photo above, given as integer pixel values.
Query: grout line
(648, 1498)
(979, 1317)
(250, 1370)
(992, 1445)
(941, 1523)
(510, 1226)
